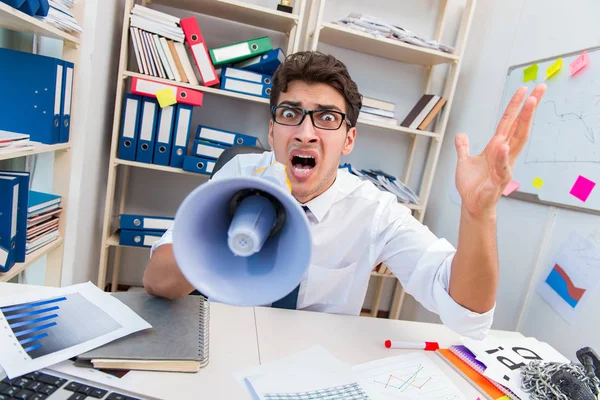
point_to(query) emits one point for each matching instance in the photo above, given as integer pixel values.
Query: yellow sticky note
(166, 97)
(554, 68)
(530, 73)
(537, 183)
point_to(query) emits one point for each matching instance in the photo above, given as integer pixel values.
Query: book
(431, 116)
(464, 362)
(380, 104)
(420, 111)
(39, 201)
(177, 342)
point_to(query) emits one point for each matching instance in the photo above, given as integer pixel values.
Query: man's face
(311, 155)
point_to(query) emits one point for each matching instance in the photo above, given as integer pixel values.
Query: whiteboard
(564, 141)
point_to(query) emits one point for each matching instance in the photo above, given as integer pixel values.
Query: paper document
(408, 376)
(37, 331)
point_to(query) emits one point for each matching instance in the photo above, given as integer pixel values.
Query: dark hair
(316, 67)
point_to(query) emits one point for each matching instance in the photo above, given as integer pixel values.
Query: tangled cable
(540, 380)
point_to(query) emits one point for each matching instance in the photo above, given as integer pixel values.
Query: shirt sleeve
(422, 262)
(230, 170)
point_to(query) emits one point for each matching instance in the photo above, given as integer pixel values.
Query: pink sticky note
(582, 188)
(579, 63)
(511, 187)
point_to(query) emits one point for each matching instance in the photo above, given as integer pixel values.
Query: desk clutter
(53, 12)
(171, 48)
(37, 93)
(28, 219)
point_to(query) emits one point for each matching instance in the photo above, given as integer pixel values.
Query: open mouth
(303, 163)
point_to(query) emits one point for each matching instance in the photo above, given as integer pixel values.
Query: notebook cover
(179, 330)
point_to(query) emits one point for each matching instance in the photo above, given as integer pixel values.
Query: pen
(404, 344)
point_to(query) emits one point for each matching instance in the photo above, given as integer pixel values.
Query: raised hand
(481, 179)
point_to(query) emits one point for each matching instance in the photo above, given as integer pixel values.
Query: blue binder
(139, 238)
(65, 120)
(132, 104)
(181, 133)
(224, 137)
(21, 240)
(13, 3)
(199, 165)
(164, 134)
(265, 63)
(9, 203)
(145, 222)
(205, 149)
(31, 95)
(147, 130)
(246, 82)
(30, 7)
(44, 8)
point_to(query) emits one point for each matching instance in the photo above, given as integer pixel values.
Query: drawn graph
(48, 326)
(409, 376)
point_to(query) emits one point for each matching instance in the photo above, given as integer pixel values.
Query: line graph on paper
(409, 376)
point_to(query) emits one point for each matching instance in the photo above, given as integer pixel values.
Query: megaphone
(242, 241)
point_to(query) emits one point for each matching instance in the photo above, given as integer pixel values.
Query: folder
(247, 82)
(148, 117)
(23, 180)
(39, 202)
(139, 238)
(44, 7)
(30, 7)
(224, 137)
(13, 3)
(266, 63)
(198, 164)
(197, 45)
(65, 122)
(129, 126)
(164, 133)
(181, 132)
(206, 149)
(145, 222)
(9, 203)
(31, 95)
(240, 51)
(147, 87)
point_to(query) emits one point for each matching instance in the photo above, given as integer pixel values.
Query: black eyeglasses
(322, 119)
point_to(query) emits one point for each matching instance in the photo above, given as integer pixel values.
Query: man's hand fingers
(461, 141)
(503, 169)
(521, 133)
(511, 112)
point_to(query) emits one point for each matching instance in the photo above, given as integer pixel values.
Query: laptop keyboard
(41, 386)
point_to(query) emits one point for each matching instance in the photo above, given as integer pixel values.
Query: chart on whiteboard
(408, 376)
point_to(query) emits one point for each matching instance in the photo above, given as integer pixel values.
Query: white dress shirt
(355, 226)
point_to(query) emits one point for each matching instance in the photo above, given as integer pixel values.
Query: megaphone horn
(243, 241)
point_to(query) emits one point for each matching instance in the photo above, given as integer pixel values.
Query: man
(354, 225)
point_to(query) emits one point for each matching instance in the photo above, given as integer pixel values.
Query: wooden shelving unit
(341, 36)
(119, 170)
(18, 21)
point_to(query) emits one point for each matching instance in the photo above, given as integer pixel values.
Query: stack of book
(43, 211)
(142, 230)
(424, 112)
(172, 48)
(378, 111)
(59, 16)
(386, 182)
(13, 142)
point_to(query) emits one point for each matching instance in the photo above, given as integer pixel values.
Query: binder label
(245, 75)
(243, 86)
(130, 117)
(68, 90)
(218, 136)
(183, 121)
(13, 226)
(233, 51)
(3, 257)
(209, 167)
(148, 121)
(164, 130)
(209, 151)
(150, 240)
(157, 224)
(58, 91)
(204, 64)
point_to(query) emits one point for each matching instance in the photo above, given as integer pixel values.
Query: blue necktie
(291, 300)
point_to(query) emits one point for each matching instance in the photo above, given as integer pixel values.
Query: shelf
(397, 128)
(42, 148)
(393, 49)
(239, 12)
(16, 20)
(158, 168)
(204, 89)
(30, 259)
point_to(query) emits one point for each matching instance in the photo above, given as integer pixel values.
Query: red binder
(148, 87)
(194, 39)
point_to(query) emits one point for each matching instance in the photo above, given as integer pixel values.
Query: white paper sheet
(72, 321)
(577, 261)
(408, 376)
(503, 358)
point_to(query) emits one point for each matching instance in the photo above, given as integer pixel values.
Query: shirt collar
(322, 203)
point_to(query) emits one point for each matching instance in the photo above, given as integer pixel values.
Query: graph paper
(350, 391)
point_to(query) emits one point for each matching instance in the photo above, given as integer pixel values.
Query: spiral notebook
(464, 361)
(177, 342)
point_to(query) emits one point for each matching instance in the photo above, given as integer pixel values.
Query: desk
(244, 337)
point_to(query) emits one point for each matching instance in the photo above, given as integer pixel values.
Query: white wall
(506, 33)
